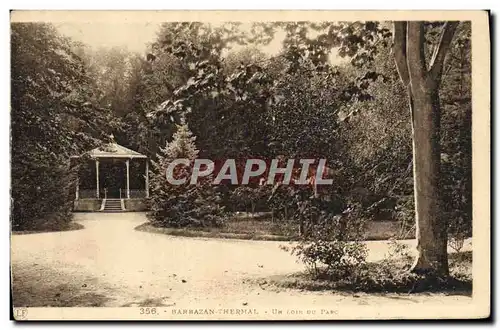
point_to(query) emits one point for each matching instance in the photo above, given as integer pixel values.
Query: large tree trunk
(422, 82)
(431, 226)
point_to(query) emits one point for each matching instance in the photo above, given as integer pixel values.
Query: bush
(248, 198)
(282, 203)
(340, 258)
(41, 196)
(389, 275)
(330, 242)
(184, 205)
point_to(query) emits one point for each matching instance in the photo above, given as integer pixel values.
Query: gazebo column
(147, 178)
(127, 163)
(77, 190)
(97, 177)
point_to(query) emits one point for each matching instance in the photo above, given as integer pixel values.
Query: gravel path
(110, 264)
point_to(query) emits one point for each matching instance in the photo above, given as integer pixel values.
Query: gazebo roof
(114, 150)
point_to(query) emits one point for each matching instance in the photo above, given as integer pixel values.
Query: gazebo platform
(113, 195)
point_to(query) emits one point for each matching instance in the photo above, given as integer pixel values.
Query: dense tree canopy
(55, 114)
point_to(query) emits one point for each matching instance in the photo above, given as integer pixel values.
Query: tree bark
(431, 226)
(423, 92)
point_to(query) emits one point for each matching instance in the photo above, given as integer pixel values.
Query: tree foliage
(331, 91)
(182, 205)
(54, 115)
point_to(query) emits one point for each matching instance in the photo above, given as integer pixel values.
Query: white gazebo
(109, 199)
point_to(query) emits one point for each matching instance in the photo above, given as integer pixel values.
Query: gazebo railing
(134, 193)
(87, 193)
(92, 193)
(137, 193)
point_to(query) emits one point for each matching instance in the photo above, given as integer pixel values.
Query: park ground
(109, 263)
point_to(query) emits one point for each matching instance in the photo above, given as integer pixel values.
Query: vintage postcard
(263, 165)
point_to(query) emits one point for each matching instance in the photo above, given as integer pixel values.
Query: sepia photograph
(259, 165)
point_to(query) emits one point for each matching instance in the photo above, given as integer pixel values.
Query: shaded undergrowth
(383, 277)
(52, 228)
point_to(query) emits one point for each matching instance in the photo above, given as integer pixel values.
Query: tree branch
(415, 51)
(399, 50)
(437, 61)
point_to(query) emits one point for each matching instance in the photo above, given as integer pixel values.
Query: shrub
(183, 205)
(330, 242)
(41, 196)
(248, 198)
(456, 238)
(388, 275)
(338, 259)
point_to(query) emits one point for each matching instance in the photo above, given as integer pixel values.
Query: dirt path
(110, 264)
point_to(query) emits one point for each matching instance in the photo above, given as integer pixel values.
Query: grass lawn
(214, 233)
(60, 227)
(263, 228)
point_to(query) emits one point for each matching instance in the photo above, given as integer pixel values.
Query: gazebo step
(113, 205)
